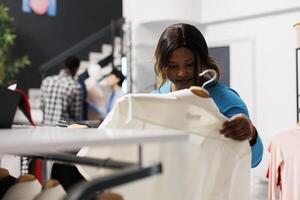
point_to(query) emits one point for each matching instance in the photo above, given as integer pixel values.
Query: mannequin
(26, 188)
(6, 181)
(110, 196)
(52, 189)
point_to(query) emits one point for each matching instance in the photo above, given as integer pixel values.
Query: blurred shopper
(114, 80)
(61, 95)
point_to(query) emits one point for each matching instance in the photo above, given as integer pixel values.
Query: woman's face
(180, 68)
(112, 80)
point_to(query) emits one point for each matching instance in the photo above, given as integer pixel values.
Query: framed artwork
(39, 7)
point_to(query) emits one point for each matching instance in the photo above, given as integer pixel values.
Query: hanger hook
(211, 74)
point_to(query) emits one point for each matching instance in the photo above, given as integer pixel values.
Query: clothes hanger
(210, 74)
(199, 91)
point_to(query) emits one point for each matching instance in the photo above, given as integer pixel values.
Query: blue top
(112, 98)
(110, 102)
(229, 103)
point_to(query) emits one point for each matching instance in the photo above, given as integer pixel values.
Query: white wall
(139, 11)
(220, 10)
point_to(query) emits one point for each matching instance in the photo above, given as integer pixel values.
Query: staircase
(108, 56)
(106, 51)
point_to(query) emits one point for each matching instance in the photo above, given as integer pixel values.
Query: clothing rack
(44, 142)
(88, 189)
(73, 159)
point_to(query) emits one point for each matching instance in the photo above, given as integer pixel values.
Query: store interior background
(260, 36)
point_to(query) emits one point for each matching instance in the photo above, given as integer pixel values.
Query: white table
(47, 139)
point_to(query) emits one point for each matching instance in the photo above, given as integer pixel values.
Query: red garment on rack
(24, 105)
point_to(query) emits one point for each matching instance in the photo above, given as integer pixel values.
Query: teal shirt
(229, 103)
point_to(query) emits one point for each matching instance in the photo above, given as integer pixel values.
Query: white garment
(54, 193)
(207, 167)
(23, 191)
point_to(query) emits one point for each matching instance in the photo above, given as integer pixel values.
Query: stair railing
(109, 30)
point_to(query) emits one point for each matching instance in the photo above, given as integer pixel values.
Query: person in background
(69, 175)
(62, 98)
(61, 95)
(181, 55)
(114, 81)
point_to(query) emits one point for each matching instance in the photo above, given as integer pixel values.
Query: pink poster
(40, 7)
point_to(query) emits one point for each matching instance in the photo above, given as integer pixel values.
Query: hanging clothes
(209, 166)
(284, 165)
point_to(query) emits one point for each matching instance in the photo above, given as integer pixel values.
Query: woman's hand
(239, 127)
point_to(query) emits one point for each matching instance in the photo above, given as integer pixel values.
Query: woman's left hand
(238, 127)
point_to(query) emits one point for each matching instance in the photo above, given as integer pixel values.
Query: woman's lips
(184, 83)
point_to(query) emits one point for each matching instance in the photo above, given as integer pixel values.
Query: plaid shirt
(61, 98)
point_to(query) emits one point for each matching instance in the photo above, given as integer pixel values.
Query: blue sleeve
(257, 152)
(257, 148)
(230, 104)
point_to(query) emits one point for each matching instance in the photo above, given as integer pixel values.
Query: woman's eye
(172, 66)
(190, 64)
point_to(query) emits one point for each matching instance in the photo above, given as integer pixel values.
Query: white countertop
(46, 139)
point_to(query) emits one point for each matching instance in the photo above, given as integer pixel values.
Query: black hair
(119, 75)
(72, 62)
(183, 35)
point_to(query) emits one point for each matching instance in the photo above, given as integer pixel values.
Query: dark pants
(67, 175)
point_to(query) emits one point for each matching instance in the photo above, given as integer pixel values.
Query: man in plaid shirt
(62, 96)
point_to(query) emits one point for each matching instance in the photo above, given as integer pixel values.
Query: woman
(181, 54)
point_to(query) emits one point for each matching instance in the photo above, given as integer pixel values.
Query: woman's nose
(181, 72)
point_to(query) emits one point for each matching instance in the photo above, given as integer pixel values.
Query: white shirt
(209, 166)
